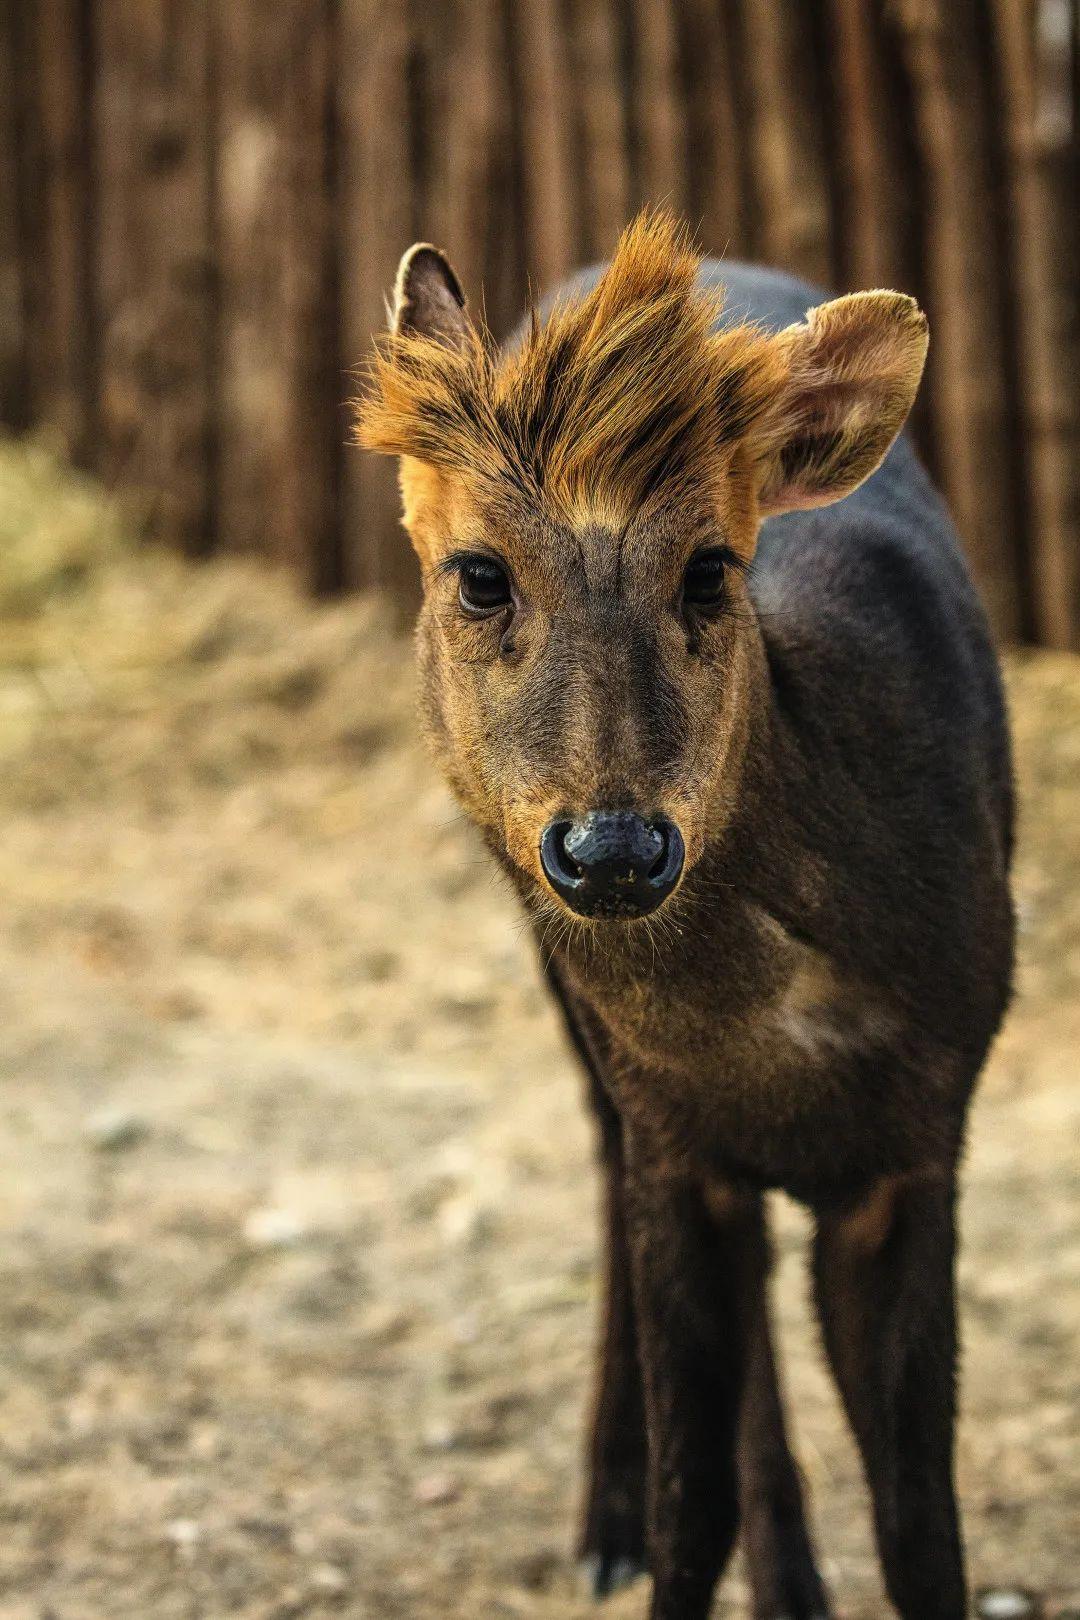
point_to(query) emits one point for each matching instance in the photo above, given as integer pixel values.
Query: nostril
(664, 830)
(562, 831)
(556, 859)
(667, 868)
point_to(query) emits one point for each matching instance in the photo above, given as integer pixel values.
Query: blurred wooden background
(202, 203)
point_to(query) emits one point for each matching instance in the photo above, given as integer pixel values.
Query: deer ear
(853, 369)
(428, 298)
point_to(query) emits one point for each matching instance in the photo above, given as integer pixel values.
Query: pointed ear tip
(906, 308)
(428, 248)
(877, 306)
(426, 256)
(900, 306)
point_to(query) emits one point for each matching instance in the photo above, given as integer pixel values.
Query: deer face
(582, 684)
(585, 511)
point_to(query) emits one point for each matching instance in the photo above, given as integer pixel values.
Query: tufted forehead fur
(620, 397)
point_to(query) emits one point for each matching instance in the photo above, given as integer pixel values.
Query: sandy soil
(298, 1262)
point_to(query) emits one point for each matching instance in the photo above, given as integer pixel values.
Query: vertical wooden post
(152, 258)
(787, 138)
(14, 404)
(657, 104)
(541, 82)
(878, 182)
(1044, 176)
(466, 197)
(975, 412)
(62, 377)
(870, 152)
(280, 437)
(716, 200)
(375, 226)
(603, 190)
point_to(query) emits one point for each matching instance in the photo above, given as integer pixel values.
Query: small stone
(433, 1490)
(1007, 1603)
(113, 1129)
(465, 1224)
(439, 1436)
(329, 1579)
(465, 1329)
(184, 1535)
(205, 1441)
(273, 1229)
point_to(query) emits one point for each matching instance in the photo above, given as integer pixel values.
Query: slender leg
(698, 1280)
(612, 1542)
(613, 1533)
(784, 1580)
(883, 1276)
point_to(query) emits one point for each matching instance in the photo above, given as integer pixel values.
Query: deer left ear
(428, 298)
(853, 369)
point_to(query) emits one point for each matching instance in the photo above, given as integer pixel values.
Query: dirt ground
(298, 1261)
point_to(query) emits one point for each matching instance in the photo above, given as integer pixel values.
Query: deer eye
(703, 581)
(484, 585)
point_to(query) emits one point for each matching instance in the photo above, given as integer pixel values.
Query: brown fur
(630, 394)
(617, 397)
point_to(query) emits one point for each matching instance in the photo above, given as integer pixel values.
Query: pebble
(1007, 1603)
(439, 1436)
(465, 1329)
(184, 1535)
(466, 1224)
(329, 1579)
(113, 1129)
(273, 1229)
(432, 1490)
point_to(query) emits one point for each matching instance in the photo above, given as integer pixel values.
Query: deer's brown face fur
(584, 510)
(596, 686)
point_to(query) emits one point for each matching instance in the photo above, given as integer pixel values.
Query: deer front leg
(612, 1544)
(697, 1280)
(784, 1580)
(883, 1276)
(613, 1535)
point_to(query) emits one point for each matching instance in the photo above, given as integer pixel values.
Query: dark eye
(484, 586)
(703, 581)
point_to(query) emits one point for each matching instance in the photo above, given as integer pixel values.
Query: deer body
(779, 800)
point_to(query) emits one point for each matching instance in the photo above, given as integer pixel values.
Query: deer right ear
(428, 298)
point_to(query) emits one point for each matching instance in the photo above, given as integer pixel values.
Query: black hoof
(603, 1575)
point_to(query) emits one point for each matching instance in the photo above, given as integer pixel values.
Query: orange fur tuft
(618, 397)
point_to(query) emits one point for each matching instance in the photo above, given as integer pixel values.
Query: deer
(701, 658)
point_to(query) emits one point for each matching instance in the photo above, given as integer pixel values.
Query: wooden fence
(203, 201)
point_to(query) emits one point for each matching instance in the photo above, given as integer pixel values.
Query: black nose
(612, 863)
